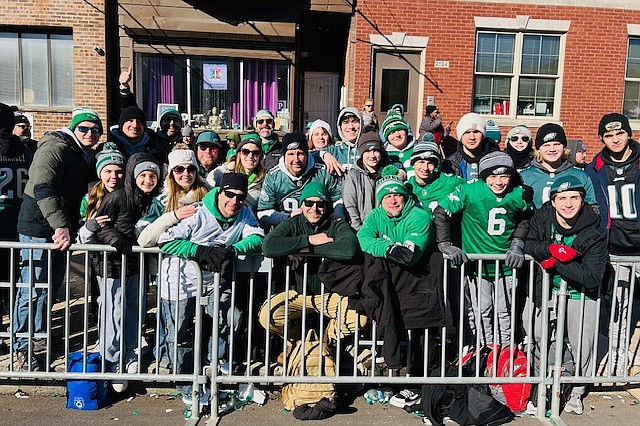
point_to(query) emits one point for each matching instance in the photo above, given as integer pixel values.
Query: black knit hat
(235, 181)
(550, 132)
(613, 121)
(7, 119)
(430, 109)
(295, 140)
(131, 112)
(495, 163)
(370, 141)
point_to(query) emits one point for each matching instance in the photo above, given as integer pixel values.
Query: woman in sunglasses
(248, 161)
(519, 146)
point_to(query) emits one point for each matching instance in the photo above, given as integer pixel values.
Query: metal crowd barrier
(252, 350)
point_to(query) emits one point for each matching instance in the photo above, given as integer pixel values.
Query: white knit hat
(471, 121)
(182, 156)
(320, 123)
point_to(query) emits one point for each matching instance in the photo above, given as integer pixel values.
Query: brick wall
(87, 24)
(594, 63)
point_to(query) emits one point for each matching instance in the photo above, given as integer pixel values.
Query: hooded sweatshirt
(345, 152)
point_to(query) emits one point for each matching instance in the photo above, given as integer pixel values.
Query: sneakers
(574, 405)
(405, 398)
(22, 362)
(223, 367)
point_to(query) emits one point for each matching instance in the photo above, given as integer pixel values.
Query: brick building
(516, 62)
(48, 63)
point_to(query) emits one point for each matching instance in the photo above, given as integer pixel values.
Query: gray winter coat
(359, 194)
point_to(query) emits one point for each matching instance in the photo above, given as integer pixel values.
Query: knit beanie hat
(21, 118)
(495, 163)
(428, 137)
(187, 131)
(131, 112)
(370, 141)
(430, 109)
(251, 137)
(426, 151)
(550, 132)
(295, 140)
(493, 131)
(182, 156)
(109, 155)
(237, 181)
(567, 182)
(574, 146)
(613, 121)
(390, 183)
(233, 136)
(521, 131)
(315, 189)
(471, 121)
(320, 123)
(169, 113)
(146, 166)
(209, 137)
(7, 119)
(261, 114)
(392, 122)
(78, 115)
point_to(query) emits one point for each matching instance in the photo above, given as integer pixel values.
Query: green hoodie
(379, 231)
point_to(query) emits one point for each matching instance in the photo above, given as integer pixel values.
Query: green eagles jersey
(402, 159)
(541, 182)
(429, 196)
(488, 221)
(344, 153)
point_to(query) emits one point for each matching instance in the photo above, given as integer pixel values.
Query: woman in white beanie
(320, 135)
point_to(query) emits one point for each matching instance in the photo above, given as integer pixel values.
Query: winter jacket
(292, 237)
(460, 164)
(58, 179)
(541, 179)
(434, 126)
(15, 159)
(413, 227)
(585, 273)
(150, 143)
(214, 178)
(359, 194)
(208, 227)
(124, 206)
(597, 172)
(272, 149)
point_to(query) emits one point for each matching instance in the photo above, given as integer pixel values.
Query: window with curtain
(631, 104)
(36, 69)
(516, 74)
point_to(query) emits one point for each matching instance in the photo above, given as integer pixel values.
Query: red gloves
(549, 263)
(563, 253)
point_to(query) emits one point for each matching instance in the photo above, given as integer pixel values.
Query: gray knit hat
(109, 155)
(426, 151)
(496, 163)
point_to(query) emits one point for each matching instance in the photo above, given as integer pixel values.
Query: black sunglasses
(231, 194)
(85, 129)
(246, 152)
(321, 204)
(180, 169)
(515, 138)
(207, 146)
(265, 120)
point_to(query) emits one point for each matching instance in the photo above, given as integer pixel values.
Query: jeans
(37, 271)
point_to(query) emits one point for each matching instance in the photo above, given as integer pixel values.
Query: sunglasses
(207, 146)
(93, 130)
(247, 152)
(515, 138)
(23, 126)
(369, 106)
(231, 194)
(321, 204)
(265, 120)
(180, 169)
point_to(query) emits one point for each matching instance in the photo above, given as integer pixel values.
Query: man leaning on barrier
(565, 238)
(222, 228)
(316, 232)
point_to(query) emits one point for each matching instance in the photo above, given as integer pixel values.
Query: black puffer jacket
(125, 206)
(457, 162)
(589, 268)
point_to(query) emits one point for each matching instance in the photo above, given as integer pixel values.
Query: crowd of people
(375, 207)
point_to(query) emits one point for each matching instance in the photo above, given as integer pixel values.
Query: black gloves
(213, 258)
(457, 256)
(527, 194)
(122, 246)
(93, 225)
(515, 254)
(399, 254)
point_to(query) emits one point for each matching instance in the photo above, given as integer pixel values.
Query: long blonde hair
(175, 192)
(259, 171)
(95, 199)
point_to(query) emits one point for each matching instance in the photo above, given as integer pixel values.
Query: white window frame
(519, 27)
(633, 31)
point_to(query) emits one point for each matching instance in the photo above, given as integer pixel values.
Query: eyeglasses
(231, 194)
(321, 204)
(515, 138)
(23, 126)
(180, 169)
(247, 152)
(207, 146)
(93, 130)
(264, 120)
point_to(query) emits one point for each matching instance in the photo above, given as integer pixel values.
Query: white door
(321, 97)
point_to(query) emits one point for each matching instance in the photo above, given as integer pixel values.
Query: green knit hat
(78, 115)
(390, 183)
(109, 155)
(315, 189)
(391, 123)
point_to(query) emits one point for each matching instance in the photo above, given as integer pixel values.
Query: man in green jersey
(284, 183)
(494, 221)
(398, 141)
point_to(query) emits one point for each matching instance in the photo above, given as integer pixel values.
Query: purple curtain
(260, 84)
(161, 84)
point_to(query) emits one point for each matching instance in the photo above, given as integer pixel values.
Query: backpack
(514, 395)
(86, 394)
(298, 394)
